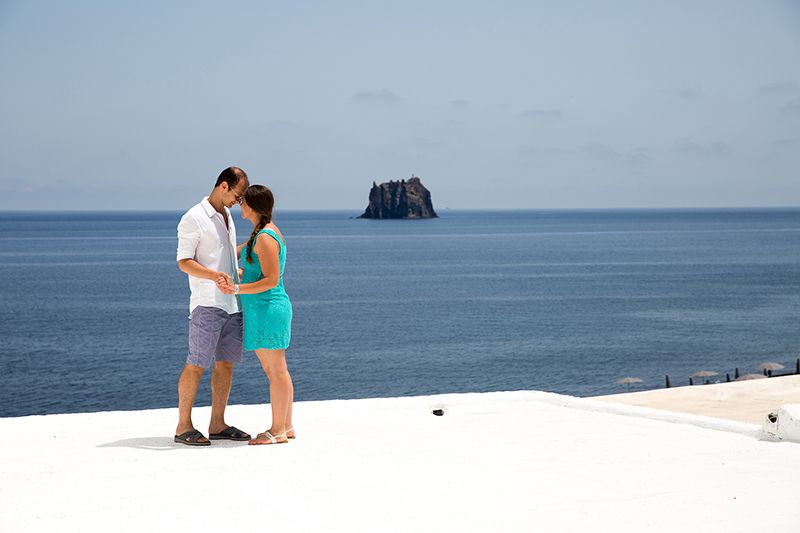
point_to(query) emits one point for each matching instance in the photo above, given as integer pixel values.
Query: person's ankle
(183, 428)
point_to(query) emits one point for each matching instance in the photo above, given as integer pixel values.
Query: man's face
(235, 195)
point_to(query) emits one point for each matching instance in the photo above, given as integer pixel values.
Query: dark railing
(767, 373)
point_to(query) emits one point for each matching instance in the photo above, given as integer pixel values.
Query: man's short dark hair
(231, 176)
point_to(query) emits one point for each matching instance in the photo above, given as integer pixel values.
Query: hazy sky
(140, 105)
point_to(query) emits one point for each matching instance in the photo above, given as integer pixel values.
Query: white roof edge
(707, 422)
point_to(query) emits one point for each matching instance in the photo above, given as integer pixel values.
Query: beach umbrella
(704, 374)
(747, 377)
(770, 365)
(627, 381)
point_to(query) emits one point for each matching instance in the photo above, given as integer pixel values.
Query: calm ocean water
(93, 310)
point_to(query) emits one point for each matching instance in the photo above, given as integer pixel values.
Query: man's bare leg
(187, 390)
(220, 391)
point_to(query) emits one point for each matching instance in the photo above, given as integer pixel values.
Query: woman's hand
(224, 283)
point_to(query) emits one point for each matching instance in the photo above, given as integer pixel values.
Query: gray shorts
(214, 334)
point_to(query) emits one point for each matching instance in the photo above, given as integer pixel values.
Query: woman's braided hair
(258, 198)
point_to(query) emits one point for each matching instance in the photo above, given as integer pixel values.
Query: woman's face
(246, 211)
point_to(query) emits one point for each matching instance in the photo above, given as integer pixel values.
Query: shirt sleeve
(188, 237)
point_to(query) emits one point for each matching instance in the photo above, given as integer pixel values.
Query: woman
(266, 307)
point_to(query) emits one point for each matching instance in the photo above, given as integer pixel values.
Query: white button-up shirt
(204, 237)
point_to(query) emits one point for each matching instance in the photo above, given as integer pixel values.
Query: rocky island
(400, 199)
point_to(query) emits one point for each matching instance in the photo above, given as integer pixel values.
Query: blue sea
(93, 310)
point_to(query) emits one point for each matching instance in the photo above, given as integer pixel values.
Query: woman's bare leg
(289, 427)
(281, 391)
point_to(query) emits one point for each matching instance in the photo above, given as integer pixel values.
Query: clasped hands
(224, 283)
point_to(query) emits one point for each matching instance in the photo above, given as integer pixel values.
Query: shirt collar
(210, 211)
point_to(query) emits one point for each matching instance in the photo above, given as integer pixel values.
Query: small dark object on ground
(438, 412)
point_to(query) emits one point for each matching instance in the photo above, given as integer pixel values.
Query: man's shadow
(165, 444)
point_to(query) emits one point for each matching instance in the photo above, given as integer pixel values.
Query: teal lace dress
(267, 315)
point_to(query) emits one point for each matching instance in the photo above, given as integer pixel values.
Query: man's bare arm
(193, 268)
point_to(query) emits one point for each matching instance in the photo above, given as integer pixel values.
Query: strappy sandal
(292, 436)
(273, 439)
(192, 438)
(229, 433)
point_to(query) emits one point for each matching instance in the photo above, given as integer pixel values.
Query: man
(206, 249)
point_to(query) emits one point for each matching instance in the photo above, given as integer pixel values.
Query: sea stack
(400, 199)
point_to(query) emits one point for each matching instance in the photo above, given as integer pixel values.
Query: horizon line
(457, 209)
